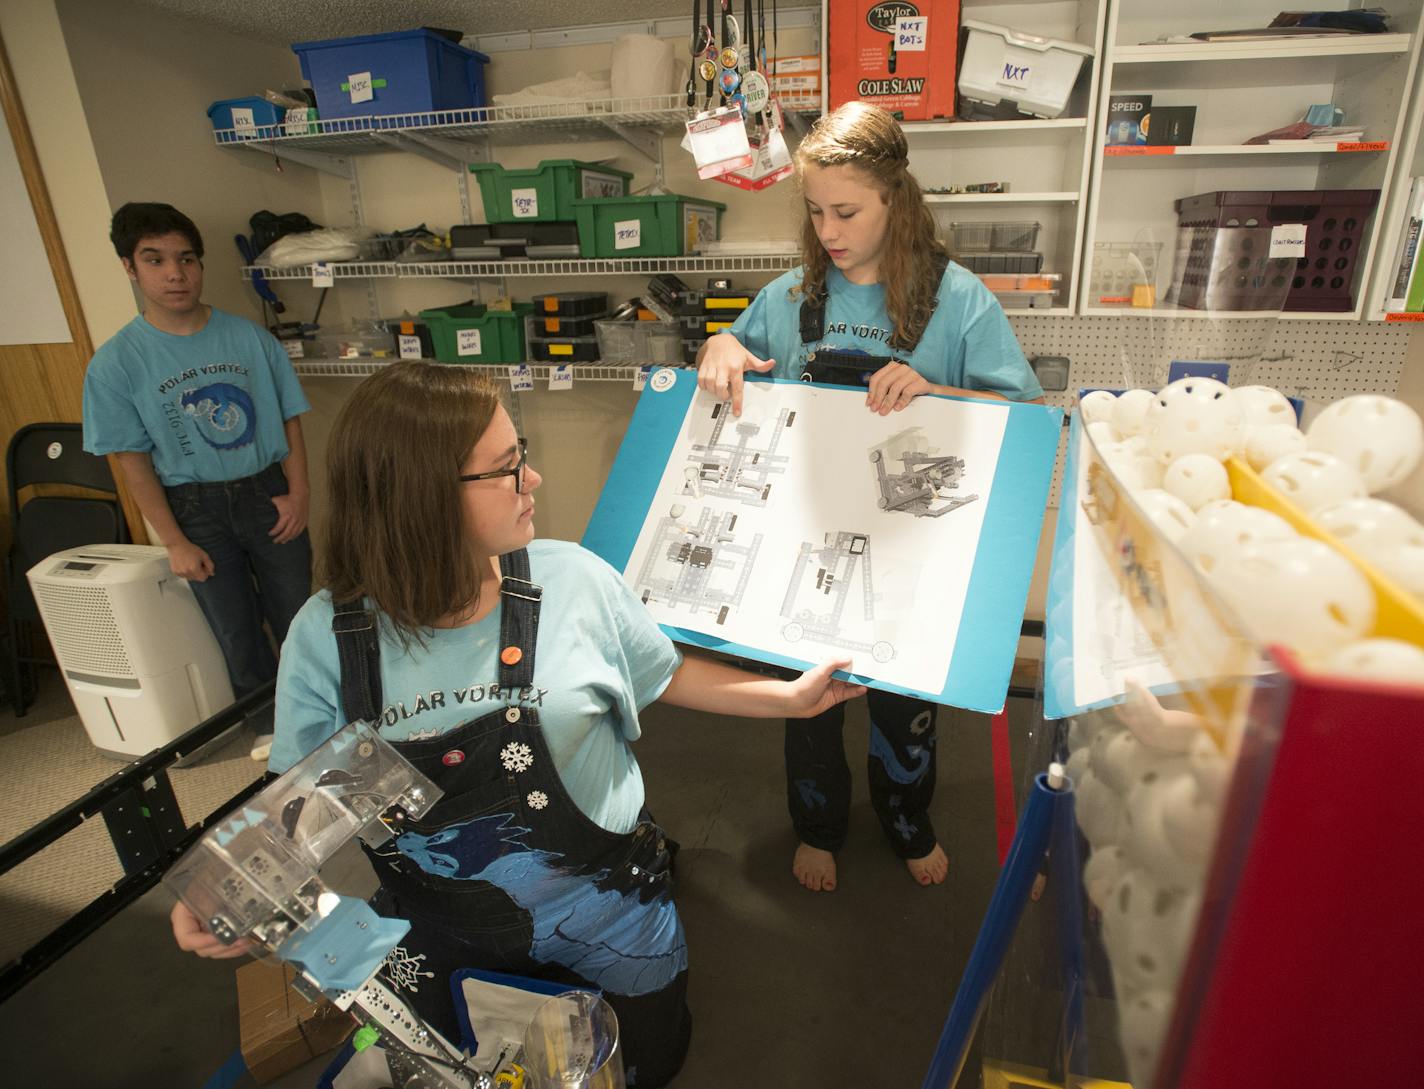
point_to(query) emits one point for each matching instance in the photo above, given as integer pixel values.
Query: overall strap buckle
(510, 586)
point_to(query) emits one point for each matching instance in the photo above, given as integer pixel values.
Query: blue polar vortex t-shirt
(599, 660)
(207, 407)
(968, 342)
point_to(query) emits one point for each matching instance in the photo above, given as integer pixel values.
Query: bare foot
(932, 869)
(815, 868)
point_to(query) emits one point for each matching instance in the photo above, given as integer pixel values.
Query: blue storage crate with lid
(411, 71)
(238, 119)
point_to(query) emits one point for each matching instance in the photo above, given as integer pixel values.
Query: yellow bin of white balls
(1398, 614)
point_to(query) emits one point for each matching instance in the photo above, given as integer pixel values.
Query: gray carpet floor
(787, 987)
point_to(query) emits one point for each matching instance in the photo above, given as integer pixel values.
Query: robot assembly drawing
(736, 470)
(684, 561)
(920, 488)
(835, 563)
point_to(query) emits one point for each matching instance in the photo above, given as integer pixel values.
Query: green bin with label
(669, 225)
(472, 333)
(546, 193)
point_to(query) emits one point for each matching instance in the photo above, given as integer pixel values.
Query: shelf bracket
(337, 165)
(647, 141)
(450, 154)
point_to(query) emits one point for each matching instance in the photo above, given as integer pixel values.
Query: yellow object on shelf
(1144, 296)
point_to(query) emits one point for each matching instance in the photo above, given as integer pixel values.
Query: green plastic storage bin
(472, 333)
(545, 194)
(653, 226)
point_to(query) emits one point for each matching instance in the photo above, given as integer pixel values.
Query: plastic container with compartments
(639, 341)
(564, 349)
(545, 193)
(411, 71)
(1002, 64)
(1007, 236)
(668, 225)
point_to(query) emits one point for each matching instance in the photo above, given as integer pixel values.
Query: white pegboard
(1313, 360)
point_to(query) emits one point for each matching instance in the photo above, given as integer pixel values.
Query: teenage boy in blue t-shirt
(202, 410)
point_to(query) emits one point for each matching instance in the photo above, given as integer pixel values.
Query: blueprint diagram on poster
(809, 528)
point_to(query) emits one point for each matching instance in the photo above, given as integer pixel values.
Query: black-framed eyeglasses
(517, 471)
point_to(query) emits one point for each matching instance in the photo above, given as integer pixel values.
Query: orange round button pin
(511, 656)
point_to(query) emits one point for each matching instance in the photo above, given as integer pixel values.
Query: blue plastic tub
(413, 71)
(253, 113)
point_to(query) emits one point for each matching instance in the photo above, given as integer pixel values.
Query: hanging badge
(718, 142)
(756, 90)
(729, 80)
(728, 57)
(707, 69)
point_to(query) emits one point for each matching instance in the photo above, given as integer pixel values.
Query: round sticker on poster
(756, 91)
(663, 378)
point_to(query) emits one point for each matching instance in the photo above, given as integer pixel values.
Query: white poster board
(32, 312)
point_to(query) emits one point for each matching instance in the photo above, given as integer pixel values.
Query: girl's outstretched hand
(816, 690)
(721, 365)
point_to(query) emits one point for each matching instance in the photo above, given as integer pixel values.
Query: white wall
(145, 79)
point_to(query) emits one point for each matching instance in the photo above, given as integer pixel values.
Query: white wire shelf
(558, 121)
(364, 366)
(1002, 198)
(624, 266)
(1296, 147)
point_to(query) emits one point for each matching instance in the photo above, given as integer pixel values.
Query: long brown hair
(396, 530)
(866, 137)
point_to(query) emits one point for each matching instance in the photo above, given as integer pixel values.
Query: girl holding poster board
(540, 858)
(877, 302)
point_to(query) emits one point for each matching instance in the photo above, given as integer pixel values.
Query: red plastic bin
(1335, 222)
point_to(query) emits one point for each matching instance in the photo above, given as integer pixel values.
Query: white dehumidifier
(141, 663)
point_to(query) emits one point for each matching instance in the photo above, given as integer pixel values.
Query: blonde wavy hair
(866, 137)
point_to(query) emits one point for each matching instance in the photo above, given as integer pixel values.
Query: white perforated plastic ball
(1103, 433)
(1168, 513)
(1380, 437)
(1402, 565)
(1267, 444)
(1143, 1020)
(1099, 811)
(1189, 818)
(1194, 416)
(1130, 410)
(1379, 660)
(1145, 837)
(1299, 593)
(1103, 870)
(1096, 406)
(1369, 524)
(1147, 926)
(1197, 479)
(1225, 527)
(1265, 407)
(1314, 479)
(1209, 768)
(1135, 471)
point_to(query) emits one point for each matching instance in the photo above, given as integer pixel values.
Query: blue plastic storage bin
(413, 71)
(262, 113)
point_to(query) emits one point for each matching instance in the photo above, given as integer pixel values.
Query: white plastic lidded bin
(1036, 74)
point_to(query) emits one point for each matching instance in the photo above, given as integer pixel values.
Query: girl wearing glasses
(512, 672)
(876, 302)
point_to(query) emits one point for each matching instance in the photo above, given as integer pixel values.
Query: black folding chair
(41, 525)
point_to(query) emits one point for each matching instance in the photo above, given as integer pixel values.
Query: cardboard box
(795, 75)
(898, 55)
(278, 1028)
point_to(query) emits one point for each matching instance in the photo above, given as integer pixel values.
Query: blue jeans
(253, 579)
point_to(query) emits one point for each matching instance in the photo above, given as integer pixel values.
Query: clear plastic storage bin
(639, 341)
